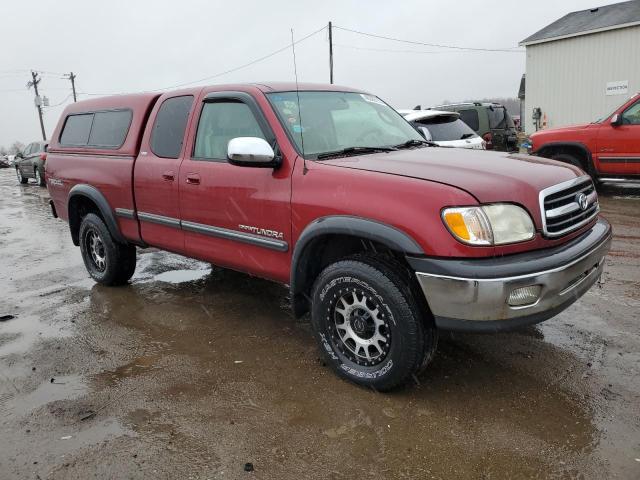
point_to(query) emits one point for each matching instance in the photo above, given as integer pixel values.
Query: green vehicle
(489, 120)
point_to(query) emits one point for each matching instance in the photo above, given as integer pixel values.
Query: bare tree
(16, 147)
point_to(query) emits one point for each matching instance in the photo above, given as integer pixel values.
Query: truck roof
(142, 103)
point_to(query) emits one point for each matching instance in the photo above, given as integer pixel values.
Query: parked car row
(444, 128)
(29, 163)
(490, 121)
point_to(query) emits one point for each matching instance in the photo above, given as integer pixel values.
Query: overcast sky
(125, 46)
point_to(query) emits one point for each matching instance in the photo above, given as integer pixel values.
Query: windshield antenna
(295, 71)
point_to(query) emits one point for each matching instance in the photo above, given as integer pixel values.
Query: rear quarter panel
(108, 170)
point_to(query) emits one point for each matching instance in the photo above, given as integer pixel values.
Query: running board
(619, 180)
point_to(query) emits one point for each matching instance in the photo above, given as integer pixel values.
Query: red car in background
(608, 149)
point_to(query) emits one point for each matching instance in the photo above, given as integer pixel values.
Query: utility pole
(330, 53)
(34, 83)
(72, 77)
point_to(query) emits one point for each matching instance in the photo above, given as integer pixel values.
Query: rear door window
(110, 128)
(77, 129)
(169, 127)
(470, 117)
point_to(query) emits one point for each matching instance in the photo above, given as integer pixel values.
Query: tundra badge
(262, 231)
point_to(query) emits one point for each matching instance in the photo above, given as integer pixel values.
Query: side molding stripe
(619, 159)
(159, 219)
(251, 239)
(125, 213)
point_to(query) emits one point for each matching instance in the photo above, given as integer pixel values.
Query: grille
(568, 206)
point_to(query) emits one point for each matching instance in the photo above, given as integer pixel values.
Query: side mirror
(18, 155)
(616, 120)
(425, 133)
(250, 152)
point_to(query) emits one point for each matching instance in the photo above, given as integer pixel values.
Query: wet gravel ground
(190, 372)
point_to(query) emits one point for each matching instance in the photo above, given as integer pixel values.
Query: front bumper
(474, 294)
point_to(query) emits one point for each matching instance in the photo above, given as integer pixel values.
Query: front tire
(107, 261)
(369, 326)
(21, 179)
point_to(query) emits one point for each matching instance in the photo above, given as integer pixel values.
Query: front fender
(353, 226)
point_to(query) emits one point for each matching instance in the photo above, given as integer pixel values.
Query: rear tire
(107, 261)
(21, 179)
(39, 177)
(368, 324)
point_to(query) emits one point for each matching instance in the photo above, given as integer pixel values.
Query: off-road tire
(21, 179)
(39, 177)
(107, 261)
(412, 334)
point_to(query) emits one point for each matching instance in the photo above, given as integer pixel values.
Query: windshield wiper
(416, 143)
(354, 151)
(467, 135)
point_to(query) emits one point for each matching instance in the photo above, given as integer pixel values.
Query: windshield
(445, 128)
(333, 121)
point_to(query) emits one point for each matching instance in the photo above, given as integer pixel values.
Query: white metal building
(582, 66)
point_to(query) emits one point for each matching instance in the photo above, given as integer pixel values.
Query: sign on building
(618, 88)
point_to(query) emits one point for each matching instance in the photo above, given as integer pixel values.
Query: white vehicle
(444, 128)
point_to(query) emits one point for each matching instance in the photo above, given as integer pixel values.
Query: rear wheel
(369, 326)
(21, 179)
(107, 261)
(39, 177)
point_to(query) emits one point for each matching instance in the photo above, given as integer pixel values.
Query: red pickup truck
(384, 238)
(608, 149)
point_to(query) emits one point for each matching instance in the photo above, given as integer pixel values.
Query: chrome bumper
(482, 304)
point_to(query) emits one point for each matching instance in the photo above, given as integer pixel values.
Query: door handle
(168, 176)
(193, 179)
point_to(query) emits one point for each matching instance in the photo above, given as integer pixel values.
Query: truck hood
(488, 176)
(568, 128)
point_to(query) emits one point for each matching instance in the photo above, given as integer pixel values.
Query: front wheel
(369, 325)
(107, 261)
(21, 179)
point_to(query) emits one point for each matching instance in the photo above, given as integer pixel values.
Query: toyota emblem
(582, 200)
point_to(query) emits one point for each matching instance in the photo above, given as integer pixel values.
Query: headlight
(495, 224)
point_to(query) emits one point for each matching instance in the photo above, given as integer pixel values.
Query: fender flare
(93, 194)
(590, 167)
(388, 235)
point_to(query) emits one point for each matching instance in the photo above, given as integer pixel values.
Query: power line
(220, 74)
(342, 45)
(13, 90)
(437, 45)
(245, 65)
(60, 103)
